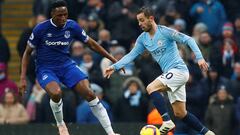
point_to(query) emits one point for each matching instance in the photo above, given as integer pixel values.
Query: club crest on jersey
(49, 35)
(159, 42)
(67, 34)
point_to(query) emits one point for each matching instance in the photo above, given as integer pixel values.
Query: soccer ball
(149, 130)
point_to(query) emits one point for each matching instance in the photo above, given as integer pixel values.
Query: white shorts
(175, 79)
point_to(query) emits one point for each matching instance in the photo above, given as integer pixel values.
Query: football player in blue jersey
(51, 40)
(160, 41)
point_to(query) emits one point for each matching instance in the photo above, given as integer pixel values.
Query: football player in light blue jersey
(160, 41)
(51, 40)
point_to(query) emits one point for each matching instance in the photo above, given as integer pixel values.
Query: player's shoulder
(142, 36)
(163, 28)
(71, 23)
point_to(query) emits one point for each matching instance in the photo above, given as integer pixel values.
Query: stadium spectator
(237, 30)
(195, 96)
(229, 56)
(11, 111)
(112, 47)
(220, 113)
(149, 65)
(34, 101)
(83, 21)
(5, 83)
(122, 15)
(95, 7)
(4, 50)
(84, 113)
(212, 82)
(104, 37)
(235, 81)
(197, 30)
(228, 32)
(91, 68)
(180, 25)
(133, 101)
(116, 81)
(94, 25)
(205, 44)
(210, 12)
(76, 51)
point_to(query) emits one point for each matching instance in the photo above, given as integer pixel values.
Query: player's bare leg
(97, 108)
(55, 93)
(180, 112)
(154, 89)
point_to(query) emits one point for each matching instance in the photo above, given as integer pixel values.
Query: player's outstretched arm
(25, 61)
(99, 49)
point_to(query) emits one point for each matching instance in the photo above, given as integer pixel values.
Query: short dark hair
(58, 3)
(147, 11)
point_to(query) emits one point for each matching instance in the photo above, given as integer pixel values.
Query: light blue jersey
(163, 48)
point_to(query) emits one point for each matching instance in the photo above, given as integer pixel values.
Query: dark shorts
(68, 75)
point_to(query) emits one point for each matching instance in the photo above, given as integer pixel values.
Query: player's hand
(22, 87)
(203, 65)
(123, 70)
(109, 71)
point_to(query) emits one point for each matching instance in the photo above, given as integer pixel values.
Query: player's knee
(89, 96)
(56, 94)
(180, 114)
(149, 89)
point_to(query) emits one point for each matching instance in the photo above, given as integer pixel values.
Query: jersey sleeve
(137, 50)
(179, 37)
(35, 37)
(79, 33)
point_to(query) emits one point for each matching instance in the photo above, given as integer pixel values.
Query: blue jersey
(163, 48)
(52, 43)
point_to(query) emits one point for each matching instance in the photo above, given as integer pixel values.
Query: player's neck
(153, 30)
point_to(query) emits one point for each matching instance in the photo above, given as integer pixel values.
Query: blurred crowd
(214, 97)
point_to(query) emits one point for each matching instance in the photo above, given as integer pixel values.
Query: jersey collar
(55, 24)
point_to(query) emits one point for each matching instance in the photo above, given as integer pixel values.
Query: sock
(159, 103)
(57, 111)
(100, 112)
(192, 121)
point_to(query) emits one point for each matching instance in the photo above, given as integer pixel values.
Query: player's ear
(151, 17)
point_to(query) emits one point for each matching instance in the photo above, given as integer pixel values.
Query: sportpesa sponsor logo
(56, 43)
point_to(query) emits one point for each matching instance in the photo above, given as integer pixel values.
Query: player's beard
(148, 28)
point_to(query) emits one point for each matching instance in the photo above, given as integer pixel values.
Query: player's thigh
(174, 79)
(179, 109)
(156, 85)
(71, 75)
(84, 90)
(49, 81)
